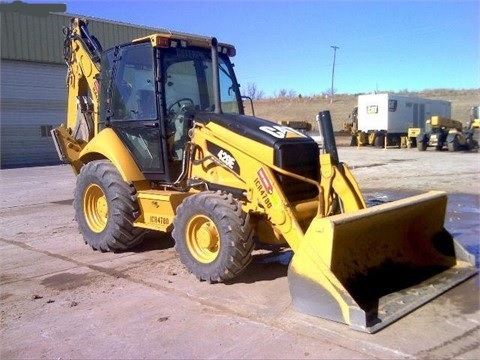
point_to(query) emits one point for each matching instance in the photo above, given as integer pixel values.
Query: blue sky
(383, 45)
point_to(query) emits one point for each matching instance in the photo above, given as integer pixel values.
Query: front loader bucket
(370, 267)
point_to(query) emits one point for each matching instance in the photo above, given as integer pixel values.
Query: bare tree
(292, 93)
(284, 93)
(327, 93)
(253, 92)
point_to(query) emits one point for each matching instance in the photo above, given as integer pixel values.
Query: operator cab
(149, 95)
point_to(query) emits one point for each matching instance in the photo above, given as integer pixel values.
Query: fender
(108, 145)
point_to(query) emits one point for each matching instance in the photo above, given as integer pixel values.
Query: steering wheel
(181, 105)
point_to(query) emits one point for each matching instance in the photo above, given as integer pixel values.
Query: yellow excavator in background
(158, 139)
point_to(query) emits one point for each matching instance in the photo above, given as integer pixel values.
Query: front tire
(105, 208)
(454, 145)
(213, 236)
(421, 146)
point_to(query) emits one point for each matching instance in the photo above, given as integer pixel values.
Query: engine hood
(264, 131)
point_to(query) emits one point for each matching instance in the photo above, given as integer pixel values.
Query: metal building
(33, 92)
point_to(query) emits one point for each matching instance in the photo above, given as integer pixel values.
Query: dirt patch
(67, 281)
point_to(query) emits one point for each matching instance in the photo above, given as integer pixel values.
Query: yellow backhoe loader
(158, 139)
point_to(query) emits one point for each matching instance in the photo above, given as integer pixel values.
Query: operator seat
(146, 104)
(181, 135)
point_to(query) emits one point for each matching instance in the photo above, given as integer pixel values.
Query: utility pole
(333, 69)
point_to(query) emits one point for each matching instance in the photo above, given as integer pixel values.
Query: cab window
(134, 88)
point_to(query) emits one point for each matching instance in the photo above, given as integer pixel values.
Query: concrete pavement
(60, 299)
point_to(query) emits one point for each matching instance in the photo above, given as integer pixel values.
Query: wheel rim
(203, 239)
(95, 208)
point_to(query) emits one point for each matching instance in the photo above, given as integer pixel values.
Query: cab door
(133, 109)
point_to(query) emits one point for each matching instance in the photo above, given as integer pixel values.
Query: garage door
(33, 100)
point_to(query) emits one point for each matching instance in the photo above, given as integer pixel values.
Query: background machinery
(447, 133)
(384, 119)
(351, 126)
(437, 129)
(474, 117)
(157, 137)
(473, 126)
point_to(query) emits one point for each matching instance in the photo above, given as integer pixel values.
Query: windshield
(188, 80)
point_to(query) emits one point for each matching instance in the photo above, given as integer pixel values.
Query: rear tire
(213, 236)
(105, 208)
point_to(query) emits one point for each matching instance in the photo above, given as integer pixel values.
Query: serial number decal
(265, 180)
(159, 220)
(281, 132)
(264, 187)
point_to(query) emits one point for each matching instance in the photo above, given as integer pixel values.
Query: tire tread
(236, 232)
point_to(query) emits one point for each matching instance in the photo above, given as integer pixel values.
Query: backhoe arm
(82, 56)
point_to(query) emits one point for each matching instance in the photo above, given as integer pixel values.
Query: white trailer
(388, 116)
